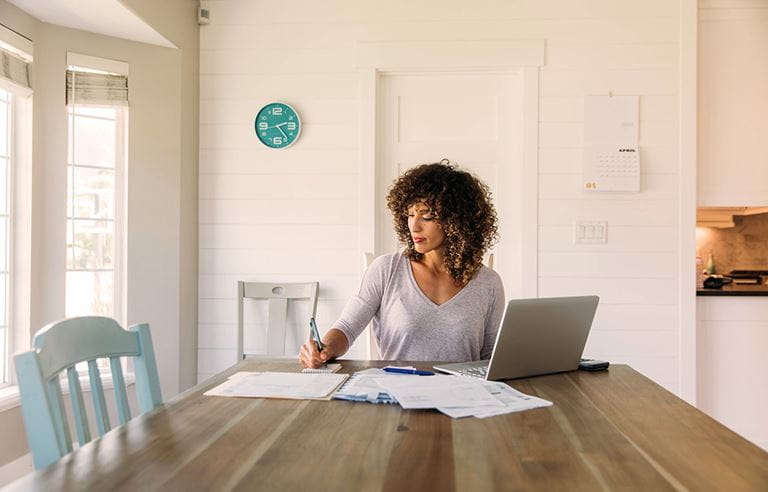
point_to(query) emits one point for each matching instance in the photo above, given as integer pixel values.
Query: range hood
(722, 217)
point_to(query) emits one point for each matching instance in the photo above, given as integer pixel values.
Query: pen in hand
(314, 334)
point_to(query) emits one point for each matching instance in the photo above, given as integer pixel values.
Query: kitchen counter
(735, 290)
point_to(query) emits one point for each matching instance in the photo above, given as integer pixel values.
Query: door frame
(502, 56)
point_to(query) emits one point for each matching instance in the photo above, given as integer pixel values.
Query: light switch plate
(590, 232)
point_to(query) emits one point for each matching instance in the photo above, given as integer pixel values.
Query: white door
(473, 119)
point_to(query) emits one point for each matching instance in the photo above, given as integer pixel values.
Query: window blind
(14, 69)
(96, 88)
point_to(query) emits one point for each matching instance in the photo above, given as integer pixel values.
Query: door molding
(500, 56)
(687, 363)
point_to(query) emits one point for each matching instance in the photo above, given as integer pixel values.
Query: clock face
(277, 125)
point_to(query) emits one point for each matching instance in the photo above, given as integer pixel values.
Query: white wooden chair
(278, 295)
(488, 260)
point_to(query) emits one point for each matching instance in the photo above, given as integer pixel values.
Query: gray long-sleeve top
(409, 326)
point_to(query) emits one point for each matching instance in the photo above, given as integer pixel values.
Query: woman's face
(426, 231)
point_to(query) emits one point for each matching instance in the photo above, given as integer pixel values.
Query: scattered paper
(439, 391)
(511, 399)
(278, 385)
(454, 396)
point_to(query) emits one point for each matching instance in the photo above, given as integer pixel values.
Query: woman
(434, 300)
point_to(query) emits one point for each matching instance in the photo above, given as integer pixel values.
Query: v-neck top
(410, 326)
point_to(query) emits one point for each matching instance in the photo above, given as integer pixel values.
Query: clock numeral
(277, 111)
(263, 125)
(277, 140)
(264, 118)
(263, 134)
(291, 126)
(290, 117)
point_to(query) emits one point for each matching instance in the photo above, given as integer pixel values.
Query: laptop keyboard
(476, 372)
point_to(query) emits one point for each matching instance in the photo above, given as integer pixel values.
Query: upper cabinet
(733, 103)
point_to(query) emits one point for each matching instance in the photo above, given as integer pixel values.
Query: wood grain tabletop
(607, 430)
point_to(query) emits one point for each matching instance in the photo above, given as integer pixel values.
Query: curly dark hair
(461, 204)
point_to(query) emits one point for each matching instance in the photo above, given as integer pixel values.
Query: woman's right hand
(335, 343)
(309, 356)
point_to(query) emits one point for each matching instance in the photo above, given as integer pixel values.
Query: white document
(278, 385)
(414, 392)
(511, 399)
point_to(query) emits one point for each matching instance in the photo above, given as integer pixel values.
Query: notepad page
(327, 368)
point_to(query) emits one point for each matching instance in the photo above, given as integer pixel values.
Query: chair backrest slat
(78, 407)
(58, 414)
(121, 397)
(42, 434)
(99, 402)
(278, 295)
(278, 319)
(145, 369)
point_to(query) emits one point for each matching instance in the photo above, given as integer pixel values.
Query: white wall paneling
(329, 69)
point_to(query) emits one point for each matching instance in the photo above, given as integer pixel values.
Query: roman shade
(96, 88)
(14, 69)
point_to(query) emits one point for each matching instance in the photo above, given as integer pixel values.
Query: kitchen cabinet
(733, 103)
(732, 368)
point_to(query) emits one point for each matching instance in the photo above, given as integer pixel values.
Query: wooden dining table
(608, 430)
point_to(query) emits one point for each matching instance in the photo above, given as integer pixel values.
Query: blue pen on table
(417, 372)
(315, 334)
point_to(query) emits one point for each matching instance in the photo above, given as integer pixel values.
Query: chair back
(59, 347)
(373, 346)
(278, 295)
(488, 260)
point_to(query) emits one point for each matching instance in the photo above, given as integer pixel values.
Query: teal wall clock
(277, 125)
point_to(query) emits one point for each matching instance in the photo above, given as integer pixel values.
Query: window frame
(19, 252)
(10, 176)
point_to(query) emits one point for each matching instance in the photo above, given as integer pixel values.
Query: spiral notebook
(325, 369)
(362, 387)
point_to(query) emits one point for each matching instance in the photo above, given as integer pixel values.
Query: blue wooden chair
(58, 347)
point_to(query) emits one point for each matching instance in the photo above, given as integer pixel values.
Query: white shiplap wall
(260, 209)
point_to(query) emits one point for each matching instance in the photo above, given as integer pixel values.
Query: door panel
(473, 119)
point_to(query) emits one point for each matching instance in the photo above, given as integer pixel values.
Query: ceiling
(108, 17)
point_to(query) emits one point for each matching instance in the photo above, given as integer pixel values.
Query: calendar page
(611, 168)
(611, 158)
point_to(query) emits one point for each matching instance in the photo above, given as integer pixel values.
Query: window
(15, 197)
(94, 210)
(5, 227)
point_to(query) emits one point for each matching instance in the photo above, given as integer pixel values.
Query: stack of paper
(415, 392)
(455, 396)
(279, 385)
(458, 396)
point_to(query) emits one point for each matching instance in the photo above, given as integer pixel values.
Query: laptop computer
(536, 336)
